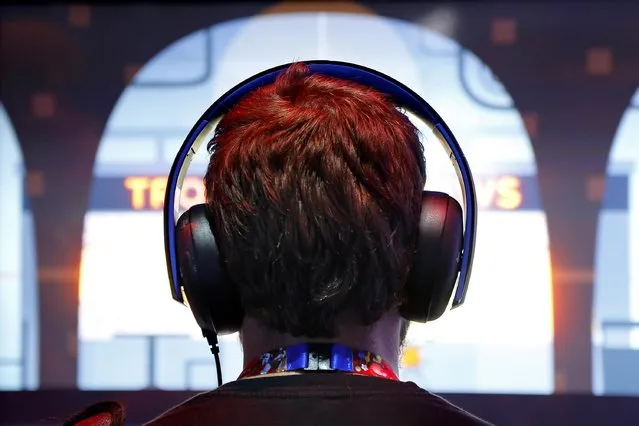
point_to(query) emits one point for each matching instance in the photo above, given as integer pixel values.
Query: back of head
(315, 188)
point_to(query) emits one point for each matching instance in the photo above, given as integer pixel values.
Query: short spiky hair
(315, 186)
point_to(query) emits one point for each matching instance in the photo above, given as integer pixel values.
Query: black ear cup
(212, 297)
(436, 261)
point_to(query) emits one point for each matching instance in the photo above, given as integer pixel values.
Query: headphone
(445, 246)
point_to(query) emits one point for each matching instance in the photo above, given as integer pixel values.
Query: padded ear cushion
(436, 263)
(212, 297)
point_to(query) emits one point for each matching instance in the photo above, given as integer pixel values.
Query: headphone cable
(211, 338)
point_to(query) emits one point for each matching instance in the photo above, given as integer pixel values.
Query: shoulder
(176, 414)
(451, 412)
(439, 410)
(389, 399)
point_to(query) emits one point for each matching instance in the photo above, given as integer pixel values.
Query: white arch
(11, 250)
(624, 158)
(306, 36)
(626, 149)
(616, 291)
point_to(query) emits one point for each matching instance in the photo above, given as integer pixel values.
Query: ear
(108, 413)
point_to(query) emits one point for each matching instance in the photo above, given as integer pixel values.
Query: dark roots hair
(314, 185)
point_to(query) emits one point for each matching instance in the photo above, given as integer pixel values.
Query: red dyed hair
(321, 181)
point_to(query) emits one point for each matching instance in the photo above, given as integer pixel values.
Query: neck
(382, 338)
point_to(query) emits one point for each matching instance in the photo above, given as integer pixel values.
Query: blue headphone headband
(401, 95)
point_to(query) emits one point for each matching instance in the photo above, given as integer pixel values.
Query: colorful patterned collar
(319, 357)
